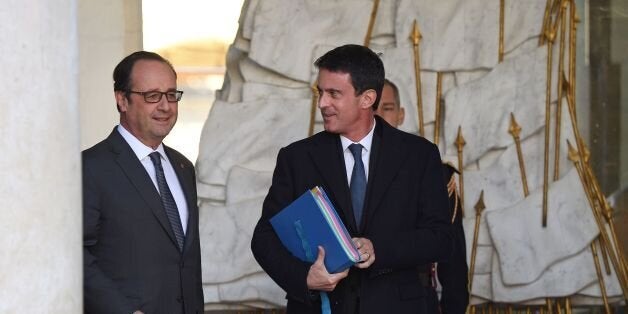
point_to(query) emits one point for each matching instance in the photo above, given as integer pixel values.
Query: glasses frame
(178, 95)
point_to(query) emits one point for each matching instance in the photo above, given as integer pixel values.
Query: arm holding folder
(295, 276)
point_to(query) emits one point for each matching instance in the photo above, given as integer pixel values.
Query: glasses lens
(152, 96)
(173, 96)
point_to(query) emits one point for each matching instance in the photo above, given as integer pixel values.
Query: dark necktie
(358, 183)
(167, 200)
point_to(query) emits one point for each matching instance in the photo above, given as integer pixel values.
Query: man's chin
(329, 127)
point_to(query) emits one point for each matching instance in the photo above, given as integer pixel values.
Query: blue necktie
(167, 200)
(358, 183)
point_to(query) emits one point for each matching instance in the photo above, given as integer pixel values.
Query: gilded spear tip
(573, 153)
(416, 36)
(459, 139)
(514, 128)
(479, 206)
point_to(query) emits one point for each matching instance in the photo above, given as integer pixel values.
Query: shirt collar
(140, 150)
(365, 141)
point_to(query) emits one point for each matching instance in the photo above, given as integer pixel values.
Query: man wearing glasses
(140, 233)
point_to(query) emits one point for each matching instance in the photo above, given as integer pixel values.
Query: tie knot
(155, 157)
(356, 150)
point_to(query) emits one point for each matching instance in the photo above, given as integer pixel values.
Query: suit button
(179, 299)
(181, 264)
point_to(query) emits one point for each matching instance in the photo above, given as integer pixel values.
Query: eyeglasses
(155, 96)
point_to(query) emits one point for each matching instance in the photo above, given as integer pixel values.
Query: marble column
(40, 190)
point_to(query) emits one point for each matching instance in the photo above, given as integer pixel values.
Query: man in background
(452, 274)
(140, 233)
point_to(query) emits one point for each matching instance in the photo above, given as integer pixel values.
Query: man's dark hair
(395, 91)
(365, 68)
(122, 72)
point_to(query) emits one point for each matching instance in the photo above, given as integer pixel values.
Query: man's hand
(319, 279)
(138, 312)
(367, 252)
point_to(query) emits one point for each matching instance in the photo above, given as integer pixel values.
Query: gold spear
(439, 92)
(573, 21)
(515, 130)
(561, 74)
(550, 7)
(575, 157)
(460, 142)
(600, 277)
(594, 188)
(369, 31)
(415, 37)
(567, 306)
(608, 215)
(604, 252)
(313, 108)
(479, 208)
(603, 209)
(548, 303)
(548, 100)
(501, 30)
(546, 17)
(558, 307)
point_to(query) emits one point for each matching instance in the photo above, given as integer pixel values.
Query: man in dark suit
(453, 274)
(391, 196)
(140, 233)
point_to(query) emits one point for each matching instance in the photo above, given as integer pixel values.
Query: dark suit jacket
(453, 274)
(405, 216)
(131, 259)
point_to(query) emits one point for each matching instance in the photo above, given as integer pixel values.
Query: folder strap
(325, 307)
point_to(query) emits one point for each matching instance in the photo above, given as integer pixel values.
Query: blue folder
(311, 220)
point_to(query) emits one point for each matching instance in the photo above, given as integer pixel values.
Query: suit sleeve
(453, 274)
(100, 293)
(431, 239)
(287, 271)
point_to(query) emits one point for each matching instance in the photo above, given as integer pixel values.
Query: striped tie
(167, 200)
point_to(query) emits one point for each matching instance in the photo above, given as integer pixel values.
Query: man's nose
(323, 101)
(163, 103)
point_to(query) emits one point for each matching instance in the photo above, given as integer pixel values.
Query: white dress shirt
(366, 152)
(142, 151)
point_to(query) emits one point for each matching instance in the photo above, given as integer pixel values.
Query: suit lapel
(187, 184)
(136, 173)
(389, 154)
(329, 161)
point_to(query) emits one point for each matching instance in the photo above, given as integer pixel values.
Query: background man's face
(388, 109)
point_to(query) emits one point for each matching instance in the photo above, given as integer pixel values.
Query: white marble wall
(265, 104)
(41, 263)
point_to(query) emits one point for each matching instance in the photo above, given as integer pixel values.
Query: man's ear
(368, 98)
(401, 116)
(121, 101)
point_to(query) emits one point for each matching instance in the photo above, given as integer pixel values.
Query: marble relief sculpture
(266, 103)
